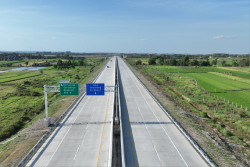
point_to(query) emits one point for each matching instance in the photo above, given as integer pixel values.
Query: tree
(234, 63)
(244, 62)
(26, 63)
(208, 62)
(173, 62)
(160, 60)
(185, 61)
(59, 62)
(82, 62)
(194, 63)
(204, 63)
(152, 61)
(69, 63)
(214, 62)
(223, 63)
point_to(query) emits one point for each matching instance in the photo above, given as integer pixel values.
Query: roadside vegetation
(26, 87)
(220, 96)
(22, 101)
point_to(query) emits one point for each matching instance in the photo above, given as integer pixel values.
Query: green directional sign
(69, 89)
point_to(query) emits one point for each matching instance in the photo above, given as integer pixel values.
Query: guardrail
(43, 139)
(178, 125)
(120, 119)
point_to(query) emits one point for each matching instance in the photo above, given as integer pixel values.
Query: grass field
(225, 83)
(17, 75)
(202, 90)
(26, 87)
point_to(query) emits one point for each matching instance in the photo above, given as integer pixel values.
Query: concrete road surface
(150, 138)
(85, 139)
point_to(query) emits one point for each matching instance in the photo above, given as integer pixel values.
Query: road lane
(156, 140)
(85, 138)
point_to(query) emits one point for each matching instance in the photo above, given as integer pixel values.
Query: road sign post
(65, 89)
(95, 89)
(47, 119)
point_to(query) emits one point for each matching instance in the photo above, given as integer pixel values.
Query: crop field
(234, 89)
(213, 93)
(16, 75)
(26, 87)
(232, 85)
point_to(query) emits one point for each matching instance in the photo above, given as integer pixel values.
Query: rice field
(229, 84)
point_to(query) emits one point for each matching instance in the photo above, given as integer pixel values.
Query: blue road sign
(95, 89)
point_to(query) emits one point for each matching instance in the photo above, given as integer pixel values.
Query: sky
(127, 26)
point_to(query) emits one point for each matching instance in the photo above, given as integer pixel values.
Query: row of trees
(184, 61)
(70, 63)
(45, 64)
(239, 63)
(187, 61)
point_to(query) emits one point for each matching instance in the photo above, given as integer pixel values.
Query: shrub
(243, 114)
(77, 77)
(204, 115)
(138, 62)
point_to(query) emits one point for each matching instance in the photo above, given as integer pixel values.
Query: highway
(85, 138)
(150, 137)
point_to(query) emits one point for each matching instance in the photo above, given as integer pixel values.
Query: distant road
(150, 137)
(86, 137)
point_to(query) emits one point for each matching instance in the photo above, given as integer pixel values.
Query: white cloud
(219, 37)
(142, 39)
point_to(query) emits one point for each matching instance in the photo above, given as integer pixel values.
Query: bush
(138, 62)
(21, 90)
(218, 126)
(226, 132)
(34, 93)
(77, 77)
(7, 131)
(243, 114)
(204, 115)
(157, 81)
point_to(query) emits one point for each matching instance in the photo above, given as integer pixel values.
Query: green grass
(21, 93)
(17, 75)
(239, 71)
(236, 91)
(233, 84)
(235, 87)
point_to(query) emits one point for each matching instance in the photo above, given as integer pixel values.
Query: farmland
(26, 87)
(214, 94)
(227, 84)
